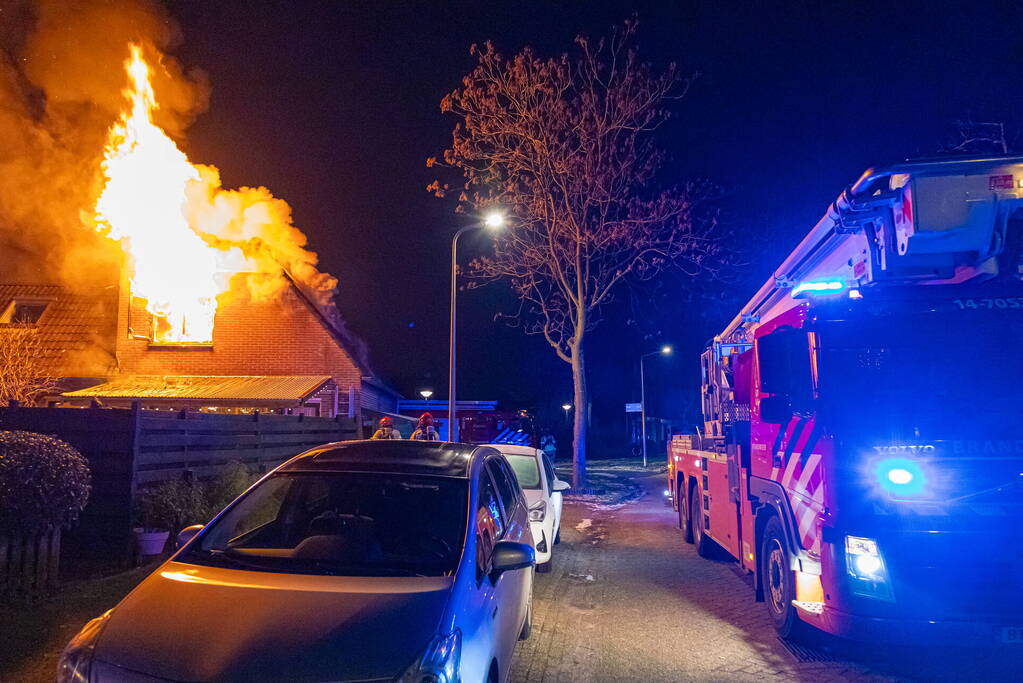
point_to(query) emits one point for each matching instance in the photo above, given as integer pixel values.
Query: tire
(546, 567)
(527, 625)
(780, 582)
(704, 545)
(683, 514)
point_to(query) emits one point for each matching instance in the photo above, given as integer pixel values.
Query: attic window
(24, 312)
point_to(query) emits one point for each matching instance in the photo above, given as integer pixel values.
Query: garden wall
(131, 448)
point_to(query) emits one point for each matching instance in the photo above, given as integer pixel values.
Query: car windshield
(526, 469)
(927, 377)
(344, 524)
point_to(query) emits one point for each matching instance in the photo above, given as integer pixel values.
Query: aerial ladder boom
(935, 221)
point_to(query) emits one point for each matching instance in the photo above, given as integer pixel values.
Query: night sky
(334, 107)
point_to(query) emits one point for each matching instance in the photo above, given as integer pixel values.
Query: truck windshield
(341, 523)
(924, 376)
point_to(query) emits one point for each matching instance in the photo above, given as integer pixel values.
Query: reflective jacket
(428, 434)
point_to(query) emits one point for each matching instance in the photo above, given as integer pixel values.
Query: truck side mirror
(775, 409)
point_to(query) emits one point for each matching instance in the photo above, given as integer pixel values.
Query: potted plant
(161, 509)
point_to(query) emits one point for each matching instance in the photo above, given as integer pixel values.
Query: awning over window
(281, 389)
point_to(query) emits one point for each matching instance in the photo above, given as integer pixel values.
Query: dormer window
(24, 312)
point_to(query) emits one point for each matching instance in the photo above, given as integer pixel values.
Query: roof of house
(282, 388)
(71, 322)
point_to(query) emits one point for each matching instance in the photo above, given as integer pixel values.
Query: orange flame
(184, 234)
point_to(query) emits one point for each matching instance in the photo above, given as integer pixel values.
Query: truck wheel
(683, 514)
(780, 582)
(704, 545)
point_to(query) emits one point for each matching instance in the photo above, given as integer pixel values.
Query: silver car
(360, 561)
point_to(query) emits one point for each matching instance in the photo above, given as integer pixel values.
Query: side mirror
(775, 409)
(510, 555)
(188, 533)
(560, 485)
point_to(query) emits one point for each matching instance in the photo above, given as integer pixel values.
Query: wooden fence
(29, 564)
(132, 448)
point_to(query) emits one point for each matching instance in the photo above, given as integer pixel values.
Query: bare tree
(26, 370)
(978, 137)
(564, 147)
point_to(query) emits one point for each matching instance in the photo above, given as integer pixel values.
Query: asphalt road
(627, 600)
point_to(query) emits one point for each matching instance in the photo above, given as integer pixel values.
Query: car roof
(512, 449)
(438, 458)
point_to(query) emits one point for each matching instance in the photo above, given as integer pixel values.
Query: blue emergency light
(817, 287)
(901, 476)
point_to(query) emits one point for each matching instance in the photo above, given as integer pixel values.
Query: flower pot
(150, 542)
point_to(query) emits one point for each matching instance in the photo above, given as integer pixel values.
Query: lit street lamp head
(426, 393)
(566, 407)
(494, 220)
(666, 349)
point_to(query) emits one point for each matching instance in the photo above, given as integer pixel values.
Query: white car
(543, 495)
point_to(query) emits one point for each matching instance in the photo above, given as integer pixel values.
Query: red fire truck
(861, 454)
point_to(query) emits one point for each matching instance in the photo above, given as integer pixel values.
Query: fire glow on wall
(183, 234)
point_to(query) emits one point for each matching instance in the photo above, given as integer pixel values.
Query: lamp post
(492, 221)
(566, 407)
(663, 351)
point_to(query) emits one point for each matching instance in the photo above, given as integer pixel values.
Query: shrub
(167, 506)
(44, 482)
(171, 505)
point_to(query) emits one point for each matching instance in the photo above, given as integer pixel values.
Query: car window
(345, 524)
(507, 485)
(527, 471)
(489, 524)
(548, 472)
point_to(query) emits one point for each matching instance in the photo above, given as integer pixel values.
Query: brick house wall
(283, 336)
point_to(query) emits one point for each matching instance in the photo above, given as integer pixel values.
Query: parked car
(543, 492)
(359, 561)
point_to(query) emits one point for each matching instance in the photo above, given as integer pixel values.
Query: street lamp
(664, 351)
(566, 407)
(494, 220)
(426, 394)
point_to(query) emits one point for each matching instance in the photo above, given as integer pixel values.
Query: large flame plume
(184, 235)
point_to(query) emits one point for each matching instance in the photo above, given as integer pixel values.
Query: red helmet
(386, 422)
(426, 419)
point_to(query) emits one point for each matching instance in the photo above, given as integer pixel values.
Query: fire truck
(861, 455)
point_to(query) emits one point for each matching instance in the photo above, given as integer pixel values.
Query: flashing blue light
(819, 287)
(901, 476)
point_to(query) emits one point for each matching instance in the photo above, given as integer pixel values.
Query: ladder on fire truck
(942, 221)
(919, 221)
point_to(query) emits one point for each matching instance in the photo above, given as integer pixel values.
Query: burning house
(215, 304)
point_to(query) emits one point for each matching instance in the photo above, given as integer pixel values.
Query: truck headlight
(438, 663)
(76, 659)
(538, 512)
(866, 567)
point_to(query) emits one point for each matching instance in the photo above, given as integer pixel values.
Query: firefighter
(425, 431)
(387, 430)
